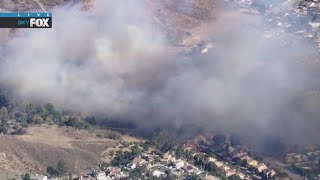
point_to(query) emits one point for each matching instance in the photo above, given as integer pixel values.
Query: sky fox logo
(35, 23)
(39, 22)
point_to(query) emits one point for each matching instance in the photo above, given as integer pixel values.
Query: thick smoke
(113, 62)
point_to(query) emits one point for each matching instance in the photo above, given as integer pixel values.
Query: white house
(261, 167)
(179, 163)
(212, 159)
(168, 158)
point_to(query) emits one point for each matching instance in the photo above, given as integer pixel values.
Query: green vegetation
(60, 170)
(105, 133)
(305, 172)
(163, 141)
(26, 177)
(14, 118)
(234, 177)
(122, 158)
(194, 177)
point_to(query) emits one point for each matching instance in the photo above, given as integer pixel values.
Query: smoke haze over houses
(112, 62)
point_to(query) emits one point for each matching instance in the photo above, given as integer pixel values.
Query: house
(137, 161)
(158, 173)
(261, 167)
(179, 163)
(168, 158)
(238, 153)
(211, 178)
(218, 164)
(224, 168)
(113, 172)
(39, 177)
(190, 146)
(244, 157)
(102, 176)
(231, 149)
(230, 172)
(189, 168)
(252, 162)
(241, 175)
(271, 173)
(295, 158)
(212, 159)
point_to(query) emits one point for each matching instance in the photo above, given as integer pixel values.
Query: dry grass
(45, 145)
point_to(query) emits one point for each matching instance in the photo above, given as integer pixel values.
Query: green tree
(62, 168)
(4, 127)
(160, 139)
(136, 151)
(4, 100)
(194, 177)
(211, 167)
(30, 109)
(145, 146)
(26, 177)
(234, 177)
(4, 115)
(52, 171)
(37, 119)
(49, 108)
(179, 151)
(73, 122)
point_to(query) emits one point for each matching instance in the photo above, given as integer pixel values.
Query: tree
(49, 108)
(62, 168)
(26, 177)
(211, 167)
(30, 109)
(145, 146)
(37, 119)
(194, 177)
(4, 127)
(136, 151)
(234, 177)
(160, 138)
(163, 141)
(52, 171)
(73, 122)
(4, 115)
(4, 100)
(179, 151)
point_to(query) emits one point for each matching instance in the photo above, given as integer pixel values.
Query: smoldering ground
(114, 62)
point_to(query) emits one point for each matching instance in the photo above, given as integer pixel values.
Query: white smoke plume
(113, 62)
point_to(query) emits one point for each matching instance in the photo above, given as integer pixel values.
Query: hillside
(45, 145)
(180, 19)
